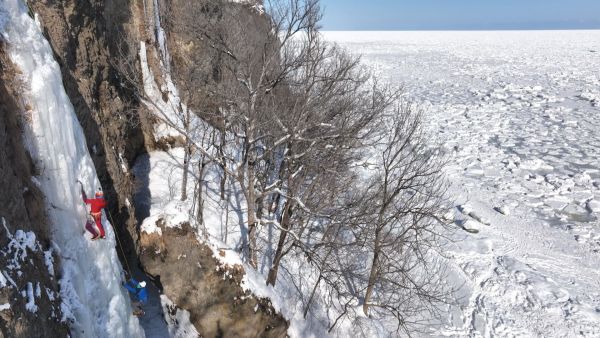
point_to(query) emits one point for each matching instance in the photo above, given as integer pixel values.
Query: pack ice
(518, 115)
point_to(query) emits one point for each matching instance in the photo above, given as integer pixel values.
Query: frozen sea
(518, 113)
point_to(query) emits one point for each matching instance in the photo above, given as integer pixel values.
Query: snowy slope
(93, 299)
(160, 175)
(518, 113)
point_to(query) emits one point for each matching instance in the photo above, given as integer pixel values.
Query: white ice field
(519, 115)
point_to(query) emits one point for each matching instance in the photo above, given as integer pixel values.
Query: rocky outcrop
(204, 41)
(196, 281)
(25, 251)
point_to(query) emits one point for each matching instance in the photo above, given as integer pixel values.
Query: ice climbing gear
(119, 242)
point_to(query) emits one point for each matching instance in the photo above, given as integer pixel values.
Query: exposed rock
(200, 66)
(196, 281)
(89, 38)
(23, 230)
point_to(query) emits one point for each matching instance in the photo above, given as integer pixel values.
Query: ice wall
(94, 302)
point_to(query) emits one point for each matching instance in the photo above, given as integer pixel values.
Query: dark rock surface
(204, 41)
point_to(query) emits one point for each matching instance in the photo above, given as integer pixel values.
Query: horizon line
(461, 30)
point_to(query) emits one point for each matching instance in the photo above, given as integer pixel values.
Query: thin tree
(399, 223)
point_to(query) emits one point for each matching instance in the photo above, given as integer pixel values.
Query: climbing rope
(112, 223)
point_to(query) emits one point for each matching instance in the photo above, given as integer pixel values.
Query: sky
(460, 14)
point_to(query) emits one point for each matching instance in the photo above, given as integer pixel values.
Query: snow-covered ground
(519, 115)
(94, 303)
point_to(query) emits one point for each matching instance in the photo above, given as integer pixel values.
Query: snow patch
(178, 320)
(49, 260)
(168, 112)
(30, 306)
(3, 280)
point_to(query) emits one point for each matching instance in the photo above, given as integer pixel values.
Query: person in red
(96, 206)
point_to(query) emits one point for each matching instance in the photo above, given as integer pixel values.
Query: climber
(139, 293)
(96, 206)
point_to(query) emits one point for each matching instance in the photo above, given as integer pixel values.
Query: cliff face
(88, 38)
(91, 40)
(201, 69)
(25, 251)
(204, 41)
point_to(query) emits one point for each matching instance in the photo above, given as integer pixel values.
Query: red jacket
(97, 204)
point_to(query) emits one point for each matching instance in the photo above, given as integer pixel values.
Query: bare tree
(257, 70)
(319, 154)
(398, 223)
(334, 118)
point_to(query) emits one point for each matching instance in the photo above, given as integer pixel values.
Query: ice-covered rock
(582, 179)
(592, 97)
(558, 202)
(479, 218)
(468, 210)
(535, 164)
(574, 210)
(503, 209)
(593, 206)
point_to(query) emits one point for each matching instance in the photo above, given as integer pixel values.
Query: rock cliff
(91, 40)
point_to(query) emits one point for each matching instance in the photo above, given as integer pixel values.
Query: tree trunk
(274, 203)
(373, 275)
(187, 155)
(312, 294)
(223, 164)
(225, 232)
(275, 198)
(186, 165)
(285, 224)
(252, 221)
(200, 199)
